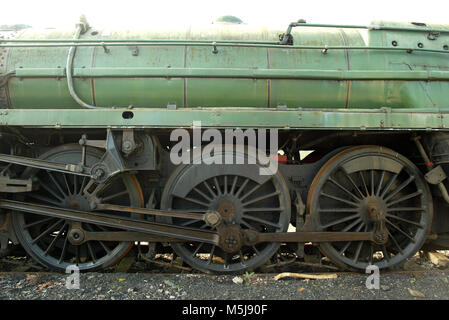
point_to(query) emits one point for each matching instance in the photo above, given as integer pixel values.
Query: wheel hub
(375, 208)
(229, 208)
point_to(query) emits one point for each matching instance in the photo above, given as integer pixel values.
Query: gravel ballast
(432, 285)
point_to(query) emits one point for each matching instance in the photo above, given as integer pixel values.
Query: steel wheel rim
(403, 196)
(53, 249)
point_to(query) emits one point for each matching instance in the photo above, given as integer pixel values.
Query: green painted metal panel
(356, 83)
(306, 93)
(140, 92)
(340, 119)
(227, 93)
(33, 93)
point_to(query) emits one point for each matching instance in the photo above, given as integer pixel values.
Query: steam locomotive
(353, 119)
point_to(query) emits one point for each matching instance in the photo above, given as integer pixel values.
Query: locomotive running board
(173, 232)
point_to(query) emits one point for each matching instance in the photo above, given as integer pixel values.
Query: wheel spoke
(105, 247)
(394, 241)
(201, 203)
(364, 183)
(357, 253)
(44, 199)
(83, 185)
(353, 224)
(402, 186)
(66, 184)
(371, 253)
(115, 195)
(389, 184)
(227, 260)
(57, 184)
(189, 222)
(248, 225)
(263, 209)
(217, 185)
(211, 255)
(75, 185)
(338, 221)
(405, 220)
(255, 250)
(209, 189)
(379, 187)
(241, 187)
(77, 255)
(35, 223)
(344, 189)
(353, 184)
(197, 249)
(234, 183)
(340, 199)
(64, 247)
(409, 196)
(385, 253)
(242, 260)
(225, 185)
(265, 196)
(343, 250)
(53, 242)
(51, 191)
(340, 210)
(400, 230)
(251, 191)
(202, 194)
(405, 209)
(91, 252)
(262, 221)
(47, 231)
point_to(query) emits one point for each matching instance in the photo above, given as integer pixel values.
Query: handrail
(370, 27)
(286, 38)
(132, 40)
(326, 48)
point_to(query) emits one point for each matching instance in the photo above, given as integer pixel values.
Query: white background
(276, 13)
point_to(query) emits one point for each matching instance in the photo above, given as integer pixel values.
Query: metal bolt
(98, 173)
(215, 51)
(127, 146)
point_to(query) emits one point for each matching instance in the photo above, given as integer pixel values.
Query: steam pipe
(68, 69)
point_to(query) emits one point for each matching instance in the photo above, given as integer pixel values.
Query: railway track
(138, 261)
